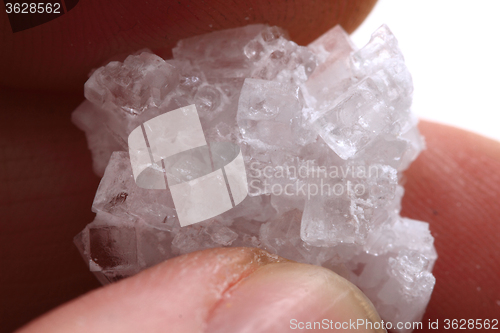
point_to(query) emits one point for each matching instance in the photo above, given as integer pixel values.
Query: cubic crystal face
(113, 247)
(325, 132)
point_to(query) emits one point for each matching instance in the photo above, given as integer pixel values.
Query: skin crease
(230, 290)
(47, 185)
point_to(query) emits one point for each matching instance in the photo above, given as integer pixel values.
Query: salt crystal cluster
(325, 131)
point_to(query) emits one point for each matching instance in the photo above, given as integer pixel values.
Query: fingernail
(289, 297)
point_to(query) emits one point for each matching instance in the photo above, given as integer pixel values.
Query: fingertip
(290, 296)
(216, 290)
(453, 185)
(177, 294)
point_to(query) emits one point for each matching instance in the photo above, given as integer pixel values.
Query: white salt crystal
(325, 132)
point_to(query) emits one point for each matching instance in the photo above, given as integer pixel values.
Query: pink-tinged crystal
(325, 131)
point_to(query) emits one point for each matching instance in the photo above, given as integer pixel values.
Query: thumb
(217, 290)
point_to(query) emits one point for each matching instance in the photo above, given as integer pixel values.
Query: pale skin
(48, 186)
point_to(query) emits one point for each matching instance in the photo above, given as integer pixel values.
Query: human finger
(216, 290)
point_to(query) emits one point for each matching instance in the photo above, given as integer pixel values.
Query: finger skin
(176, 296)
(275, 297)
(58, 55)
(455, 186)
(216, 290)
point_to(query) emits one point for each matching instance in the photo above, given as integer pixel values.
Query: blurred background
(452, 50)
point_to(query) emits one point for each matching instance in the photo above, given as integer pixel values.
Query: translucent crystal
(119, 195)
(325, 132)
(129, 86)
(270, 115)
(333, 76)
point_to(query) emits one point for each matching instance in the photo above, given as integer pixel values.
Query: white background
(452, 50)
